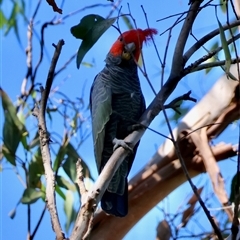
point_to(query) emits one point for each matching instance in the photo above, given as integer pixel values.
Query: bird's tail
(115, 204)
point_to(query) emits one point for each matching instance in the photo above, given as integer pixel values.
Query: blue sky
(13, 69)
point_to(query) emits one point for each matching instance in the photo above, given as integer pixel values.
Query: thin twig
(210, 65)
(192, 66)
(39, 222)
(206, 38)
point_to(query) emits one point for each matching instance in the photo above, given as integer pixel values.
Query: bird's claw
(121, 143)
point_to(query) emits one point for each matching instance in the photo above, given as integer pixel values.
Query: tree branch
(83, 223)
(39, 112)
(206, 38)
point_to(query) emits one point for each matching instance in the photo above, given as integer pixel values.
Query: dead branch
(200, 140)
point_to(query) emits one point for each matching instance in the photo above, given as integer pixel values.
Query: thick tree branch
(177, 63)
(145, 196)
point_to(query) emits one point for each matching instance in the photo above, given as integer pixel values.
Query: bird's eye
(120, 39)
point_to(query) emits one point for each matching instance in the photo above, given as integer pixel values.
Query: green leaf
(69, 210)
(30, 195)
(60, 192)
(3, 20)
(8, 155)
(12, 213)
(62, 182)
(90, 29)
(35, 142)
(12, 21)
(69, 165)
(86, 64)
(36, 170)
(223, 5)
(225, 49)
(127, 21)
(212, 59)
(13, 129)
(61, 154)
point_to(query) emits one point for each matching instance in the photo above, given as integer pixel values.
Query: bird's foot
(121, 143)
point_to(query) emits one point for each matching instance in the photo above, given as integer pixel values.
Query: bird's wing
(101, 109)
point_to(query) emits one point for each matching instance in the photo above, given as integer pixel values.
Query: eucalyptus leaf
(89, 30)
(225, 48)
(68, 209)
(64, 183)
(12, 213)
(14, 130)
(30, 195)
(60, 192)
(36, 170)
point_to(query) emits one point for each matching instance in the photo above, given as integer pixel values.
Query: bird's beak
(130, 47)
(128, 50)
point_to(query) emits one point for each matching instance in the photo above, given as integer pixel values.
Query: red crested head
(136, 36)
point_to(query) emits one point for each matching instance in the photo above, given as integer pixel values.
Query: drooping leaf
(69, 165)
(69, 210)
(128, 22)
(64, 183)
(212, 59)
(225, 49)
(223, 5)
(12, 213)
(89, 30)
(31, 195)
(12, 21)
(35, 141)
(8, 155)
(61, 154)
(3, 19)
(13, 129)
(60, 192)
(36, 170)
(86, 64)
